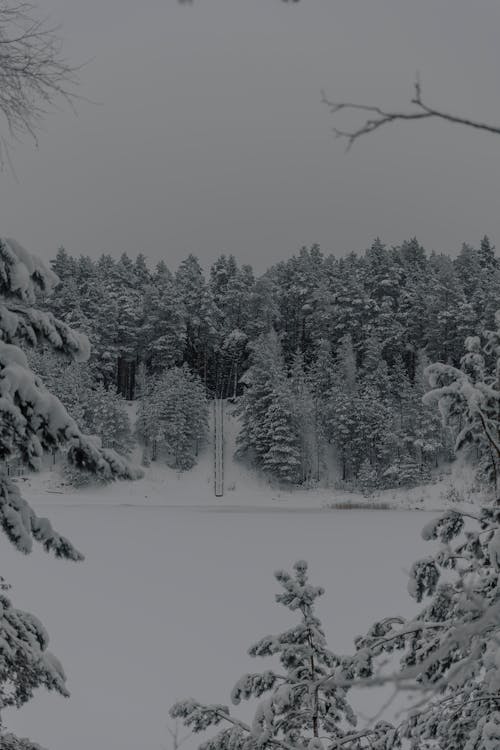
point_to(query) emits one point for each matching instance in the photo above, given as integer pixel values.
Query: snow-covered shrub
(449, 651)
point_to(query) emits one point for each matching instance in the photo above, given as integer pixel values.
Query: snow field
(169, 599)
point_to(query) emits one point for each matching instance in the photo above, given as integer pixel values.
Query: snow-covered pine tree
(450, 315)
(449, 650)
(469, 399)
(199, 313)
(306, 423)
(374, 371)
(234, 352)
(70, 381)
(297, 708)
(98, 410)
(143, 420)
(429, 439)
(33, 420)
(449, 656)
(25, 665)
(367, 479)
(283, 459)
(163, 329)
(321, 380)
(373, 435)
(173, 416)
(266, 369)
(106, 417)
(421, 440)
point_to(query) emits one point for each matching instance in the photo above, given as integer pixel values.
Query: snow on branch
(22, 273)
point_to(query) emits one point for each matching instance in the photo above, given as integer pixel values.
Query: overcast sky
(210, 135)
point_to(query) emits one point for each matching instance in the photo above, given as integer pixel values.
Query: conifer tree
(173, 416)
(307, 422)
(141, 272)
(449, 649)
(486, 254)
(297, 707)
(200, 316)
(105, 416)
(374, 370)
(100, 411)
(32, 421)
(450, 315)
(284, 457)
(367, 479)
(163, 329)
(469, 399)
(63, 265)
(265, 372)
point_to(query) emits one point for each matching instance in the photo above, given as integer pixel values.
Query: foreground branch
(34, 75)
(378, 117)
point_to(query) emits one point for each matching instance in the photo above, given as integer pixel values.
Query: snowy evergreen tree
(449, 649)
(374, 370)
(367, 479)
(377, 312)
(200, 316)
(469, 399)
(32, 421)
(163, 328)
(450, 315)
(308, 423)
(297, 707)
(173, 417)
(100, 411)
(486, 254)
(265, 372)
(283, 458)
(105, 416)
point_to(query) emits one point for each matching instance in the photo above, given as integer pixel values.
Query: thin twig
(380, 117)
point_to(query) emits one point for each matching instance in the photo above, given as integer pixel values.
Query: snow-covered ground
(243, 488)
(169, 599)
(177, 584)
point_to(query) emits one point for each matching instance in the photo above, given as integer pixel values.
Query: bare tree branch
(34, 75)
(378, 117)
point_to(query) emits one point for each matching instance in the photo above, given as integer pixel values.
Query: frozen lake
(168, 600)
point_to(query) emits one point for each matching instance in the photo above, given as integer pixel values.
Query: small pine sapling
(300, 707)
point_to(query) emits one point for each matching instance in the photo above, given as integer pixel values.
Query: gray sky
(210, 135)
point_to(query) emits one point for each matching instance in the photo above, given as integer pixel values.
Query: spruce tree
(299, 707)
(283, 458)
(173, 416)
(32, 421)
(469, 400)
(265, 372)
(105, 416)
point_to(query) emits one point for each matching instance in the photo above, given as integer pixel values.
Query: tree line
(325, 356)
